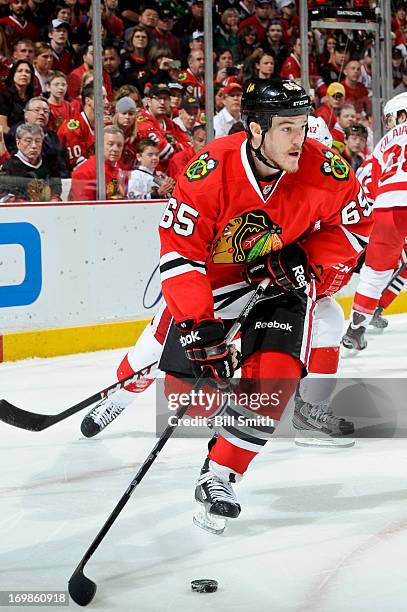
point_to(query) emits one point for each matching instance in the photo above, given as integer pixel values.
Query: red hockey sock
(124, 370)
(324, 360)
(225, 453)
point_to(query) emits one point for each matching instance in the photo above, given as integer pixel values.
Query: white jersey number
(183, 216)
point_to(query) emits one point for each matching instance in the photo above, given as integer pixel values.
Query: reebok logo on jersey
(299, 274)
(273, 324)
(190, 338)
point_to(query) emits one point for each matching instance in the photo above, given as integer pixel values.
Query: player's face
(113, 147)
(283, 142)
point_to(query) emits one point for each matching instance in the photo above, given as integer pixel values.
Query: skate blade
(327, 442)
(349, 353)
(209, 522)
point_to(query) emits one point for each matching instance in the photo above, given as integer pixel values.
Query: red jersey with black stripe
(219, 218)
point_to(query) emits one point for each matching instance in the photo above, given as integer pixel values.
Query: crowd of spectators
(154, 87)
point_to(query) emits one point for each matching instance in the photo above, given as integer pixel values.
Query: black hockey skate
(377, 320)
(355, 338)
(317, 425)
(215, 495)
(101, 416)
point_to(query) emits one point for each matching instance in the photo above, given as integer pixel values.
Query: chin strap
(257, 152)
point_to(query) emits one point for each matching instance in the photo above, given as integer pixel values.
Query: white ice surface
(321, 530)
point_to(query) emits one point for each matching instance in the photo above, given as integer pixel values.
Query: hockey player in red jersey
(388, 185)
(255, 206)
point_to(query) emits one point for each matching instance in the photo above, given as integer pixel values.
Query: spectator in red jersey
(179, 160)
(192, 78)
(291, 68)
(42, 63)
(402, 46)
(75, 77)
(260, 20)
(83, 186)
(112, 21)
(58, 36)
(399, 21)
(112, 65)
(346, 118)
(77, 134)
(19, 89)
(289, 20)
(355, 92)
(134, 61)
(16, 25)
(23, 49)
(162, 34)
(153, 123)
(60, 109)
(335, 98)
(5, 63)
(125, 119)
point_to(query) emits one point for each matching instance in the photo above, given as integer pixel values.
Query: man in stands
(355, 92)
(230, 113)
(83, 186)
(192, 78)
(75, 77)
(188, 114)
(16, 25)
(58, 36)
(329, 110)
(179, 160)
(260, 20)
(346, 118)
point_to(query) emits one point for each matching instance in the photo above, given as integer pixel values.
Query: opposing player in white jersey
(389, 189)
(312, 412)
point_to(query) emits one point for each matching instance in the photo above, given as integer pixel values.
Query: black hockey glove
(288, 269)
(205, 347)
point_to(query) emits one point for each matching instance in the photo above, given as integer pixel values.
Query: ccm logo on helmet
(300, 276)
(190, 338)
(300, 103)
(273, 324)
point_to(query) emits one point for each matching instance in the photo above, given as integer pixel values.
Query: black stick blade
(81, 589)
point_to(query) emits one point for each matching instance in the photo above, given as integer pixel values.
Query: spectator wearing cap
(227, 33)
(260, 20)
(346, 118)
(191, 22)
(176, 96)
(153, 122)
(83, 185)
(179, 160)
(75, 77)
(162, 34)
(16, 24)
(355, 92)
(26, 174)
(112, 65)
(230, 113)
(275, 44)
(402, 86)
(398, 64)
(58, 37)
(355, 142)
(134, 61)
(125, 119)
(112, 21)
(335, 98)
(399, 21)
(196, 41)
(188, 114)
(289, 20)
(192, 78)
(333, 71)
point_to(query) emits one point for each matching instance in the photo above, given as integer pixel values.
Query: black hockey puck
(204, 585)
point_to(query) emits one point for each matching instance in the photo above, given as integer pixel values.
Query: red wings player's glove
(288, 269)
(206, 348)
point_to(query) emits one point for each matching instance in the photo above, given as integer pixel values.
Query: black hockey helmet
(264, 99)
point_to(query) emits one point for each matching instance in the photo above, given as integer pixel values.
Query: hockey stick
(397, 273)
(33, 421)
(82, 589)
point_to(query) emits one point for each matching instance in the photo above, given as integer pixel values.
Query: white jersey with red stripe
(220, 218)
(364, 176)
(389, 169)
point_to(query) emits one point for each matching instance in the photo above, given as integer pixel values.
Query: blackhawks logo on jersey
(72, 124)
(200, 168)
(335, 166)
(247, 237)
